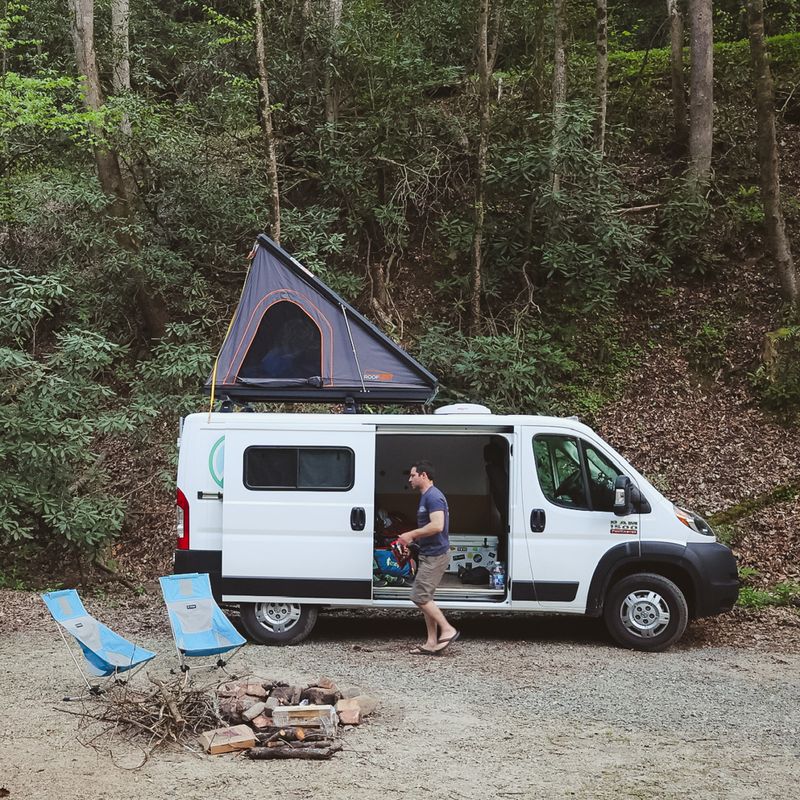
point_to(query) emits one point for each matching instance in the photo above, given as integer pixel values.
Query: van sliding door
(298, 515)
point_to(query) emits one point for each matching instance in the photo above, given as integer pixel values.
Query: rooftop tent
(292, 338)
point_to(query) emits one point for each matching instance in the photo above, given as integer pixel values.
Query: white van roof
(480, 420)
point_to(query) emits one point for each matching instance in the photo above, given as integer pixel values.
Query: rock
(245, 702)
(316, 695)
(327, 683)
(364, 703)
(271, 704)
(228, 710)
(349, 716)
(256, 690)
(283, 694)
(350, 691)
(231, 690)
(257, 709)
(261, 722)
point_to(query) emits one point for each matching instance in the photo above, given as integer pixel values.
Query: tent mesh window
(287, 344)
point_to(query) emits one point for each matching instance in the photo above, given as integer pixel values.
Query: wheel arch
(668, 559)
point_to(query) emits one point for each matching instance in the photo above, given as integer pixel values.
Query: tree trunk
(559, 83)
(480, 170)
(768, 158)
(266, 115)
(331, 96)
(601, 74)
(120, 30)
(152, 308)
(676, 71)
(540, 56)
(701, 103)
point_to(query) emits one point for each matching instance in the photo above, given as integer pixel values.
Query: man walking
(431, 536)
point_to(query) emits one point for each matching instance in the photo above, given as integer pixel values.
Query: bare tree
(768, 158)
(559, 82)
(676, 71)
(701, 100)
(484, 77)
(601, 74)
(266, 121)
(151, 306)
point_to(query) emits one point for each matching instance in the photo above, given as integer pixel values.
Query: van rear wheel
(278, 623)
(645, 612)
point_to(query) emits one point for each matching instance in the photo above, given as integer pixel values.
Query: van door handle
(358, 519)
(538, 520)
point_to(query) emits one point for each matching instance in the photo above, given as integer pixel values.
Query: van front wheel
(278, 623)
(645, 612)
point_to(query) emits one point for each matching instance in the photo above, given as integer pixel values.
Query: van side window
(562, 462)
(558, 465)
(299, 468)
(602, 474)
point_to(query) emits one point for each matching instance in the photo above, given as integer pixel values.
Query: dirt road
(521, 708)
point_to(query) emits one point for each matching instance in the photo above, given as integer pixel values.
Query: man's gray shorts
(429, 576)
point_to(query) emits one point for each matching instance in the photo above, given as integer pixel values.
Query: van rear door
(298, 515)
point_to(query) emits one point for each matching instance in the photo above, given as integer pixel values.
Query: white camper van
(281, 509)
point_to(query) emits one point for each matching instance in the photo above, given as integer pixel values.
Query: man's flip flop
(423, 651)
(447, 642)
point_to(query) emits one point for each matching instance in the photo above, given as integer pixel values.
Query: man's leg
(437, 625)
(429, 575)
(432, 639)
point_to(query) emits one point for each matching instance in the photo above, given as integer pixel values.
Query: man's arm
(436, 525)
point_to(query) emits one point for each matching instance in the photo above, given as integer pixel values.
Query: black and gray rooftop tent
(294, 339)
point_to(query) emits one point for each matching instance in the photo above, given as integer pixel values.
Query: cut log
(321, 742)
(306, 753)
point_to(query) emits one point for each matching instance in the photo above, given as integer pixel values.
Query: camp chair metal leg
(222, 663)
(128, 675)
(93, 689)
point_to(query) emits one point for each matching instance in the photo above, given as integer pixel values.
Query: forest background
(558, 207)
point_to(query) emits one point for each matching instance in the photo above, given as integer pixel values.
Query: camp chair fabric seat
(104, 651)
(198, 624)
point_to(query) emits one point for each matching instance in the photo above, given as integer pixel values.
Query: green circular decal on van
(216, 461)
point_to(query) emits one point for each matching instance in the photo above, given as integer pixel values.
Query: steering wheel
(571, 485)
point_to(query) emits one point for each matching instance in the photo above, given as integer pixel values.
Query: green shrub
(777, 380)
(511, 373)
(785, 593)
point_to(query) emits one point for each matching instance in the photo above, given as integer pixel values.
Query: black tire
(278, 623)
(645, 612)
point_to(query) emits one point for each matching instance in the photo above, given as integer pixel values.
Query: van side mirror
(623, 501)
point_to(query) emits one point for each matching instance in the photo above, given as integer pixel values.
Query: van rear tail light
(182, 528)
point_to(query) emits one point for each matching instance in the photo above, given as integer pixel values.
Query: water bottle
(497, 577)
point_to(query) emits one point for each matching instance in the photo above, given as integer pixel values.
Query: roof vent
(463, 408)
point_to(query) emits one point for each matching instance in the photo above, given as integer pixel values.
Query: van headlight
(693, 521)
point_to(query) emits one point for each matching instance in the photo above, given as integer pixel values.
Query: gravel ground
(521, 707)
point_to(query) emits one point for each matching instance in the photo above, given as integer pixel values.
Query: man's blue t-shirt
(439, 543)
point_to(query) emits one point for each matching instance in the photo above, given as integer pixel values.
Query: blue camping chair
(105, 653)
(198, 625)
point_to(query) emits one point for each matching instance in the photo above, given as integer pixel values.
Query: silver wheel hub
(644, 613)
(277, 617)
